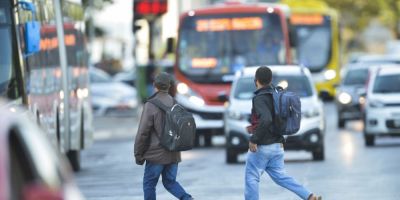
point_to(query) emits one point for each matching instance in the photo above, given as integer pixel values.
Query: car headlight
(344, 98)
(236, 115)
(375, 104)
(330, 74)
(132, 103)
(311, 113)
(183, 89)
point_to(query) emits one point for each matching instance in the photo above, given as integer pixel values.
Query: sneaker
(314, 197)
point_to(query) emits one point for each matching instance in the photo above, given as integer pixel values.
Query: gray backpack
(179, 127)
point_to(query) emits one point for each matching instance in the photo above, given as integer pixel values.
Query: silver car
(349, 98)
(310, 137)
(349, 94)
(111, 98)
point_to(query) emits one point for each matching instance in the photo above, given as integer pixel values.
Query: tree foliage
(97, 4)
(358, 13)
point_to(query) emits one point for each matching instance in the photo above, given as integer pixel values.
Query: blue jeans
(269, 158)
(152, 173)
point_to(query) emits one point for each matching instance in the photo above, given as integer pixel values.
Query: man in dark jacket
(266, 145)
(159, 161)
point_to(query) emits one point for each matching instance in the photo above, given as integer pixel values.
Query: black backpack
(179, 127)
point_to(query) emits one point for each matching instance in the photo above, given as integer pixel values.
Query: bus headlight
(182, 88)
(344, 98)
(330, 74)
(197, 100)
(193, 97)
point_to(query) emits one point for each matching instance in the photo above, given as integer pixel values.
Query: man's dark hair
(162, 81)
(264, 75)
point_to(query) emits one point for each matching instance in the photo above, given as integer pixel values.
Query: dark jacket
(147, 144)
(262, 114)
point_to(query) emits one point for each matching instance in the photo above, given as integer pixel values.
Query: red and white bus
(216, 42)
(52, 81)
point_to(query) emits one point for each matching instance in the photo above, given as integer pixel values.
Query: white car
(382, 107)
(127, 77)
(111, 98)
(310, 137)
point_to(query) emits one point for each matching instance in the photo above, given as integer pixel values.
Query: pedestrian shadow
(287, 161)
(300, 160)
(384, 145)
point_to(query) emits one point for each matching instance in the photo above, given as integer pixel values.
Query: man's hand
(252, 147)
(249, 129)
(139, 161)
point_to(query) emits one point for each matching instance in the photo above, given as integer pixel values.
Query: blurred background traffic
(82, 69)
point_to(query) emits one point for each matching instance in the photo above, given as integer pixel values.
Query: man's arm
(264, 114)
(142, 140)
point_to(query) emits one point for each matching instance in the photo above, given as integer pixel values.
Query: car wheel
(341, 123)
(231, 156)
(74, 158)
(318, 154)
(369, 140)
(197, 140)
(207, 140)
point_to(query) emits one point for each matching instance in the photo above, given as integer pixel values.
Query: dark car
(349, 93)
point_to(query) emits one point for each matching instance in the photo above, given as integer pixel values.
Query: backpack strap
(159, 104)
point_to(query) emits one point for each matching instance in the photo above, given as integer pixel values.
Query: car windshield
(245, 87)
(387, 84)
(216, 45)
(356, 77)
(314, 44)
(99, 77)
(5, 51)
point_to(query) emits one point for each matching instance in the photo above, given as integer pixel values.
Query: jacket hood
(264, 90)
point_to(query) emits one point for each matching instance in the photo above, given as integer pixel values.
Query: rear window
(387, 84)
(356, 77)
(245, 87)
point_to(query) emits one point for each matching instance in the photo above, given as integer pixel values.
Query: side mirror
(170, 45)
(223, 97)
(31, 30)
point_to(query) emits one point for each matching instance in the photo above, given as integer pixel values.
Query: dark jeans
(152, 173)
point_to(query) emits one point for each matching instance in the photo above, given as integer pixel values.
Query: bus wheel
(74, 157)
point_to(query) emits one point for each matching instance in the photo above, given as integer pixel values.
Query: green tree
(96, 4)
(358, 13)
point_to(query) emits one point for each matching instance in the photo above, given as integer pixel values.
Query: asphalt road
(350, 170)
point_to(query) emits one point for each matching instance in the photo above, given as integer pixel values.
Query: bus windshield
(216, 45)
(314, 41)
(5, 51)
